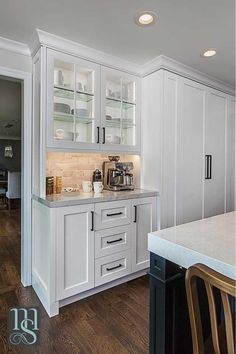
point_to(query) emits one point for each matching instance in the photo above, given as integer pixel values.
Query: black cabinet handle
(104, 135)
(114, 214)
(208, 166)
(112, 268)
(98, 135)
(92, 213)
(119, 239)
(135, 213)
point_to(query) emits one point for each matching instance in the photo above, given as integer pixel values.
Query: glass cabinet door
(75, 101)
(119, 118)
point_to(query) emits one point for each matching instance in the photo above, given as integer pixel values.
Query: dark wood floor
(114, 321)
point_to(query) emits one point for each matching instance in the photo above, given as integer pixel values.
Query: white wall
(15, 61)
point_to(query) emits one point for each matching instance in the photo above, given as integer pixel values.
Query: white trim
(42, 38)
(26, 171)
(70, 47)
(98, 289)
(163, 62)
(13, 46)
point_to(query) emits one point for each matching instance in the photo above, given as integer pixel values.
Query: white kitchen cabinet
(112, 214)
(188, 147)
(120, 111)
(230, 157)
(113, 240)
(75, 250)
(144, 221)
(73, 104)
(80, 252)
(112, 267)
(83, 106)
(215, 149)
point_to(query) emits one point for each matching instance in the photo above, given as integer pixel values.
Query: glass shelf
(62, 92)
(63, 117)
(116, 103)
(116, 123)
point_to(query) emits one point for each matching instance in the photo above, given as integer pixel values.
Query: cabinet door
(73, 90)
(120, 120)
(190, 162)
(230, 157)
(214, 188)
(75, 250)
(144, 221)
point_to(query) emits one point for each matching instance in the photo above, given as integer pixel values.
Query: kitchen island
(209, 241)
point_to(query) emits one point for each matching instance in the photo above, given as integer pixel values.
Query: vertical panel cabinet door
(215, 125)
(144, 221)
(75, 250)
(230, 157)
(73, 91)
(190, 124)
(120, 117)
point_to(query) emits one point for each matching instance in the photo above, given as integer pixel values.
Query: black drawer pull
(112, 268)
(98, 135)
(119, 239)
(114, 214)
(92, 213)
(104, 135)
(135, 213)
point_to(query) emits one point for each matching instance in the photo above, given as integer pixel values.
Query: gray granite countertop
(77, 198)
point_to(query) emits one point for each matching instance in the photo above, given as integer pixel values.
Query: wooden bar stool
(216, 344)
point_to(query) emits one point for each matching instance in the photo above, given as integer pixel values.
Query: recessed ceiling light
(145, 18)
(209, 53)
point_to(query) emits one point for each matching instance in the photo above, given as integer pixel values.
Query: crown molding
(13, 46)
(163, 62)
(42, 38)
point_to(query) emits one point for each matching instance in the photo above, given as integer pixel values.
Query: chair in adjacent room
(13, 187)
(222, 339)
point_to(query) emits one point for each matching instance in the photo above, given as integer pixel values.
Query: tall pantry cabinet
(188, 147)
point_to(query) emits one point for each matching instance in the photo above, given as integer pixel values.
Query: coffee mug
(98, 187)
(87, 186)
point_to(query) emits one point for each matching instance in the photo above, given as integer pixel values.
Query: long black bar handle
(92, 227)
(98, 135)
(112, 268)
(135, 213)
(206, 166)
(104, 135)
(210, 166)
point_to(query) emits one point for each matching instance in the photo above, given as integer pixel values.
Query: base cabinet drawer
(112, 214)
(109, 241)
(112, 267)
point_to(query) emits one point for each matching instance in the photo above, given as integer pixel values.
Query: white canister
(97, 187)
(87, 186)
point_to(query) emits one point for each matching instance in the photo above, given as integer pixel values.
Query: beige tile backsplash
(77, 167)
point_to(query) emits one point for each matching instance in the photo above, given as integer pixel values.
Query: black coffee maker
(97, 176)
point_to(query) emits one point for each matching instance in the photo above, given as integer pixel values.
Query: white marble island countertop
(210, 241)
(77, 198)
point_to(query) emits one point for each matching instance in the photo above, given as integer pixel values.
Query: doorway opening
(10, 181)
(16, 145)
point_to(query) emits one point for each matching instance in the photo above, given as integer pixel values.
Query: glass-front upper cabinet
(120, 120)
(73, 101)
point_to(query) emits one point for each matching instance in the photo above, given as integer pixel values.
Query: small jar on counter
(58, 184)
(49, 185)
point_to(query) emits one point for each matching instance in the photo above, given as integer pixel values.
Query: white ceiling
(10, 109)
(184, 28)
